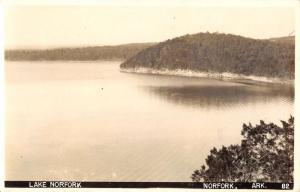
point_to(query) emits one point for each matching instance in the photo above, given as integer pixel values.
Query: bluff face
(219, 53)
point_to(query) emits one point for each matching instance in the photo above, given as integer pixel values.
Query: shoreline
(220, 76)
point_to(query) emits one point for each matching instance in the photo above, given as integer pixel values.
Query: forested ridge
(216, 52)
(288, 39)
(81, 53)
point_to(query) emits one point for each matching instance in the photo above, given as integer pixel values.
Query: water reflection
(138, 128)
(223, 96)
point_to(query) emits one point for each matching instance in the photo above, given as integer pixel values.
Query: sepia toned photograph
(164, 95)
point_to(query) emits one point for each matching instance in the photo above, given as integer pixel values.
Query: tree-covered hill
(219, 53)
(82, 53)
(288, 39)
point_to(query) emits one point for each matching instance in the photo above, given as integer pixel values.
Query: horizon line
(122, 44)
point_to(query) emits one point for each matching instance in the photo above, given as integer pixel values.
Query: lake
(88, 121)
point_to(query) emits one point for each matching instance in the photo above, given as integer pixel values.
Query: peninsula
(218, 55)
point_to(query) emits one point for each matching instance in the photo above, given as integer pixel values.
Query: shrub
(266, 154)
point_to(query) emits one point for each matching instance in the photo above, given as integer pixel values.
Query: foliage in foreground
(265, 154)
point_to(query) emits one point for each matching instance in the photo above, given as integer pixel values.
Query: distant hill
(83, 53)
(288, 39)
(219, 53)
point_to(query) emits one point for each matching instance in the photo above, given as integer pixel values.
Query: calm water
(88, 121)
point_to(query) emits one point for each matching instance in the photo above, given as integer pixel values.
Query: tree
(266, 154)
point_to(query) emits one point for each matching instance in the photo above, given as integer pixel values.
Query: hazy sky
(57, 25)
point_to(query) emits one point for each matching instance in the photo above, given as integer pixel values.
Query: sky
(50, 26)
